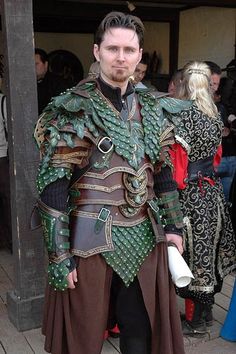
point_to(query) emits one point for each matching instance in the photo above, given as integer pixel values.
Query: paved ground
(31, 342)
(216, 346)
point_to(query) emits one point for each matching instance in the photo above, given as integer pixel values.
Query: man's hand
(72, 279)
(177, 240)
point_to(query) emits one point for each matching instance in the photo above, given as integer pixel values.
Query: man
(48, 84)
(140, 72)
(215, 75)
(111, 257)
(174, 83)
(227, 167)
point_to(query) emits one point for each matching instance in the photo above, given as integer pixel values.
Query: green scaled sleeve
(56, 235)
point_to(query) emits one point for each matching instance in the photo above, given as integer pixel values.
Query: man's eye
(113, 49)
(130, 50)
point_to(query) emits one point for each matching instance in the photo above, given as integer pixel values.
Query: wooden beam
(223, 3)
(74, 17)
(155, 3)
(26, 299)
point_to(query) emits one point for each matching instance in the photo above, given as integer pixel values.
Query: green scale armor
(83, 109)
(132, 246)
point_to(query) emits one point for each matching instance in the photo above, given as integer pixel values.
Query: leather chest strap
(103, 147)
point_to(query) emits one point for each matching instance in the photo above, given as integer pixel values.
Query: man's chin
(119, 78)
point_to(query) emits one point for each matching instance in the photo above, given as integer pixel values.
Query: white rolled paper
(180, 272)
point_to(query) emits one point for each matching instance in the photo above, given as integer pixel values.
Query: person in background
(215, 75)
(208, 233)
(228, 94)
(140, 72)
(227, 167)
(5, 203)
(174, 83)
(101, 143)
(48, 84)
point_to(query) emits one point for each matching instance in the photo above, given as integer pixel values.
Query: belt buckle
(101, 141)
(104, 214)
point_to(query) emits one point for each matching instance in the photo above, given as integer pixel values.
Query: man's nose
(121, 55)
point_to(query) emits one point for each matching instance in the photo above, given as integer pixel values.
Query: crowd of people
(123, 174)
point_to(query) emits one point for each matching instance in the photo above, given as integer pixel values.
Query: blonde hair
(195, 86)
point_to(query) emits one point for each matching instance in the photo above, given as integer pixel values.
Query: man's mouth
(119, 68)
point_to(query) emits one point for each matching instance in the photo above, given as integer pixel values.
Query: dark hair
(120, 20)
(43, 55)
(145, 58)
(215, 69)
(177, 76)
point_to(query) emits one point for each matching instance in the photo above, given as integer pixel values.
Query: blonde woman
(208, 233)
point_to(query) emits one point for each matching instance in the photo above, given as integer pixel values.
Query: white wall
(207, 33)
(157, 38)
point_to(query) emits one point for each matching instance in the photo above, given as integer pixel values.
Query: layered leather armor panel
(118, 186)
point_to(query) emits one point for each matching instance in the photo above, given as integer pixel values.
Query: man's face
(215, 81)
(171, 89)
(40, 67)
(118, 54)
(139, 72)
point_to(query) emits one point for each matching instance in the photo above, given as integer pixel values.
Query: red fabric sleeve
(217, 157)
(179, 159)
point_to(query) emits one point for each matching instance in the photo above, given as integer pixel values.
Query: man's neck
(121, 85)
(114, 93)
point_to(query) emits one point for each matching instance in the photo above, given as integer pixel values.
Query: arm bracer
(170, 209)
(56, 235)
(56, 232)
(167, 210)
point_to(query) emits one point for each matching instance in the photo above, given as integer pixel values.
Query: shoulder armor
(67, 112)
(174, 105)
(84, 87)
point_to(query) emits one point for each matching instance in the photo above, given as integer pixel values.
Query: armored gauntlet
(56, 235)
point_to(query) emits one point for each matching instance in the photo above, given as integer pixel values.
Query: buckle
(153, 206)
(103, 214)
(102, 149)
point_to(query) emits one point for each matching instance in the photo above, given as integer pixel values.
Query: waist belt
(201, 168)
(118, 219)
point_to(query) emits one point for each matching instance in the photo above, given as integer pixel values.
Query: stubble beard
(119, 76)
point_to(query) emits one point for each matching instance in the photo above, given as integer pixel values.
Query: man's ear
(96, 52)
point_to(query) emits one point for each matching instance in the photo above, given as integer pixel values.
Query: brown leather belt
(118, 218)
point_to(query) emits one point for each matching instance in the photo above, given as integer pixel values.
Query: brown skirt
(75, 320)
